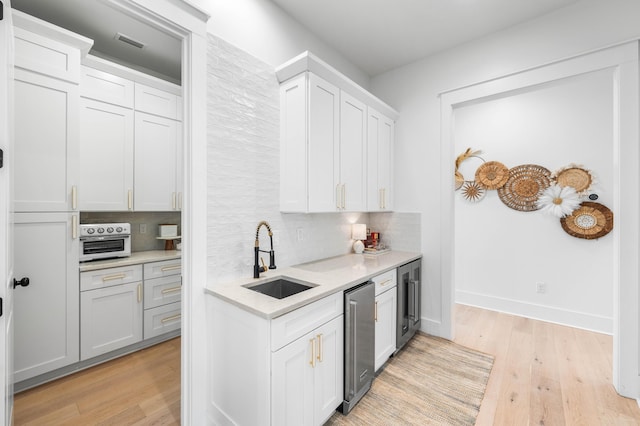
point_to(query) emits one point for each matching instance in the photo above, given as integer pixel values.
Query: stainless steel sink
(279, 288)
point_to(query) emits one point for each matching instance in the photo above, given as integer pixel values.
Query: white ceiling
(379, 35)
(375, 35)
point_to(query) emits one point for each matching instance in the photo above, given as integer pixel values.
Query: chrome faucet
(272, 255)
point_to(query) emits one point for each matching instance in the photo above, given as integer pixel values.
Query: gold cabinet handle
(380, 198)
(171, 267)
(384, 198)
(171, 290)
(113, 277)
(344, 196)
(375, 312)
(130, 199)
(74, 198)
(385, 282)
(174, 203)
(74, 227)
(338, 196)
(312, 362)
(139, 293)
(320, 350)
(171, 318)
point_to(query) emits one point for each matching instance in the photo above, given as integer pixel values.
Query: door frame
(623, 59)
(187, 22)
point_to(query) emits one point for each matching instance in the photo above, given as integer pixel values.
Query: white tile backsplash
(243, 175)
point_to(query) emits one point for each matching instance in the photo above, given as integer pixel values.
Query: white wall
(500, 253)
(413, 90)
(265, 31)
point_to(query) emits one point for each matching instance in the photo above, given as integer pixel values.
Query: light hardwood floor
(543, 374)
(142, 388)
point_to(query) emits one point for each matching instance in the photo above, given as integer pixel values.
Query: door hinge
(1, 11)
(1, 303)
(1, 151)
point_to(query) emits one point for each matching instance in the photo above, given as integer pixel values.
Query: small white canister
(168, 230)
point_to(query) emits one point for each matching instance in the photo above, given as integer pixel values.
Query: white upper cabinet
(47, 72)
(353, 134)
(380, 138)
(130, 142)
(325, 139)
(106, 156)
(156, 163)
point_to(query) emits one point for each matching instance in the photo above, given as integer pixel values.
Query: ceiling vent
(129, 40)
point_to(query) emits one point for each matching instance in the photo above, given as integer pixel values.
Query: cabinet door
(292, 377)
(46, 334)
(329, 376)
(385, 326)
(155, 171)
(380, 137)
(45, 119)
(353, 118)
(111, 318)
(323, 159)
(156, 101)
(106, 156)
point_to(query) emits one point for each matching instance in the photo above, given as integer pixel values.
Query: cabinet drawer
(109, 277)
(105, 87)
(155, 101)
(160, 291)
(288, 327)
(385, 281)
(162, 269)
(162, 319)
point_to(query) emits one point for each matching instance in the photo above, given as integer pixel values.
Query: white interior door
(6, 226)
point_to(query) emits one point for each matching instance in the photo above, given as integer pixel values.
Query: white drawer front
(289, 327)
(109, 277)
(162, 269)
(385, 281)
(160, 291)
(162, 319)
(156, 101)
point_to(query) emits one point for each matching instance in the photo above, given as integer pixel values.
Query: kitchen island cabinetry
(385, 317)
(110, 310)
(289, 369)
(46, 317)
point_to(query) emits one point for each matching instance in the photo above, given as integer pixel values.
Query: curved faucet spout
(257, 269)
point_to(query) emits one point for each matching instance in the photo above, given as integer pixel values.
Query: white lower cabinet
(45, 311)
(110, 316)
(306, 377)
(288, 370)
(385, 317)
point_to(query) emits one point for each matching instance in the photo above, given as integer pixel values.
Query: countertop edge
(136, 258)
(325, 283)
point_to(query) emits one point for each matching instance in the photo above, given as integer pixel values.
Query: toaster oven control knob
(90, 231)
(109, 229)
(119, 229)
(100, 230)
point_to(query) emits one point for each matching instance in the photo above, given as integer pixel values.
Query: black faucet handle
(272, 259)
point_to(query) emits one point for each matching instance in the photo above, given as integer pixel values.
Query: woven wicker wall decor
(472, 192)
(575, 176)
(492, 175)
(525, 184)
(589, 221)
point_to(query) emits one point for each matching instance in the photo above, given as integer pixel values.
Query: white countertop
(327, 275)
(135, 259)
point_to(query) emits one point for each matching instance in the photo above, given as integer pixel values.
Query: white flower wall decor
(559, 201)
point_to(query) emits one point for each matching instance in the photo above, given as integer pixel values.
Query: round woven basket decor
(576, 177)
(472, 192)
(589, 221)
(525, 184)
(492, 175)
(459, 180)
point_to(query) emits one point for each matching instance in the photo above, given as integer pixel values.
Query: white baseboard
(434, 328)
(551, 314)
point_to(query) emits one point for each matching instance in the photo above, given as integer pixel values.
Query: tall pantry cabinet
(47, 74)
